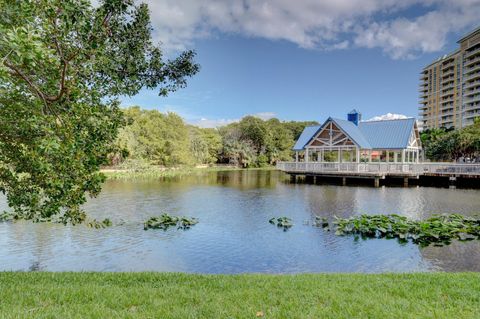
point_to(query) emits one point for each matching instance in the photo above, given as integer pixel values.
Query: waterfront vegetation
(171, 295)
(438, 230)
(129, 172)
(450, 145)
(164, 139)
(166, 221)
(281, 222)
(63, 66)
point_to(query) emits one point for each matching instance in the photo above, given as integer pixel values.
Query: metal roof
(387, 134)
(305, 137)
(353, 132)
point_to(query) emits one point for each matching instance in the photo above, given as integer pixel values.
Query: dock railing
(382, 168)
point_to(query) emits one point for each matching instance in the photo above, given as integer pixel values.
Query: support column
(306, 155)
(344, 181)
(370, 156)
(339, 155)
(296, 157)
(405, 182)
(452, 182)
(403, 156)
(376, 182)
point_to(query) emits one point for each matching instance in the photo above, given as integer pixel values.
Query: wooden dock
(380, 173)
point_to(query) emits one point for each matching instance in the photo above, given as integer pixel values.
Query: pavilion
(356, 141)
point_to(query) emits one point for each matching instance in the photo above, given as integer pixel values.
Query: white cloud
(406, 38)
(211, 123)
(327, 24)
(388, 116)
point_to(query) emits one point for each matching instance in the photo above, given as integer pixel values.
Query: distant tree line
(452, 145)
(155, 138)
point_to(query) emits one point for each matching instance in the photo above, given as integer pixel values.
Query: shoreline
(156, 172)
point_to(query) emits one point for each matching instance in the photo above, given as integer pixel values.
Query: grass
(171, 295)
(165, 173)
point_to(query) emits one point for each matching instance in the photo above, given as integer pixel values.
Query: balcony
(472, 53)
(448, 73)
(448, 80)
(449, 64)
(451, 85)
(472, 61)
(447, 93)
(474, 68)
(423, 95)
(471, 84)
(472, 115)
(473, 99)
(472, 77)
(423, 89)
(448, 99)
(473, 91)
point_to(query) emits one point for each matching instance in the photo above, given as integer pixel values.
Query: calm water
(234, 235)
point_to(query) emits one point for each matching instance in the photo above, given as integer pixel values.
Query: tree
(159, 139)
(205, 145)
(63, 63)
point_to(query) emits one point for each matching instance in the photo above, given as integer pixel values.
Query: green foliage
(160, 139)
(165, 139)
(205, 144)
(254, 142)
(450, 145)
(99, 224)
(282, 222)
(165, 221)
(62, 65)
(438, 230)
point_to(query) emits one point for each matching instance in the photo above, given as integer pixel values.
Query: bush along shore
(159, 172)
(171, 295)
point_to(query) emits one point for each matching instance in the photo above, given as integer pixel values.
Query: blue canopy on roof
(388, 134)
(307, 134)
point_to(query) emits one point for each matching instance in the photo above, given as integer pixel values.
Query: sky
(303, 59)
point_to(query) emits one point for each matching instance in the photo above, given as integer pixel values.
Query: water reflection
(234, 235)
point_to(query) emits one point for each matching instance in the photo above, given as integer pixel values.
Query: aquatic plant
(321, 222)
(165, 221)
(281, 222)
(6, 216)
(99, 224)
(438, 230)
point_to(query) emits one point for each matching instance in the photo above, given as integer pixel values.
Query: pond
(233, 234)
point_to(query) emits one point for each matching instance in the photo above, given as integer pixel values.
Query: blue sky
(294, 63)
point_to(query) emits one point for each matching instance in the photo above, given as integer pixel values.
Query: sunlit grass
(164, 295)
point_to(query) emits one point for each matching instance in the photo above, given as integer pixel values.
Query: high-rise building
(450, 86)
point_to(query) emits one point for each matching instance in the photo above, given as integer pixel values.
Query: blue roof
(388, 134)
(307, 134)
(353, 132)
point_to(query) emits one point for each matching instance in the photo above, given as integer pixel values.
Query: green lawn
(169, 295)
